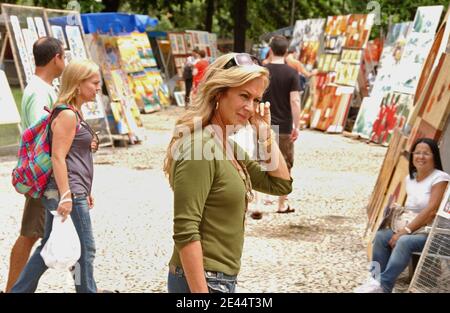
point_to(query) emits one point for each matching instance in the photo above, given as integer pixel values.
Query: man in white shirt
(48, 55)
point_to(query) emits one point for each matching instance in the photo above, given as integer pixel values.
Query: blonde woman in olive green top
(212, 178)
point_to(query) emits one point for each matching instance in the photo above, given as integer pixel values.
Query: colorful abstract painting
(393, 113)
(129, 57)
(358, 30)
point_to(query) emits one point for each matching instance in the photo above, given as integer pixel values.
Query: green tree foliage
(262, 15)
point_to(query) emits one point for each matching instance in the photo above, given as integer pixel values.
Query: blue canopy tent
(111, 22)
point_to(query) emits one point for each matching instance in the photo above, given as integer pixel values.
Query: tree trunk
(111, 5)
(210, 6)
(240, 24)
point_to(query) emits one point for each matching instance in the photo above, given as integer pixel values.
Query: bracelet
(64, 200)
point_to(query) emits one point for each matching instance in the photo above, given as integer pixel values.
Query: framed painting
(180, 44)
(339, 111)
(40, 26)
(58, 33)
(173, 43)
(358, 30)
(179, 98)
(189, 40)
(393, 113)
(367, 115)
(76, 42)
(25, 57)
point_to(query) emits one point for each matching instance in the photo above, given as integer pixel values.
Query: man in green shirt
(48, 55)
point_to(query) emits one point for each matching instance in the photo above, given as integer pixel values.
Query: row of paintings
(391, 101)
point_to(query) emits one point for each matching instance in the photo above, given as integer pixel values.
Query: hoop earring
(217, 105)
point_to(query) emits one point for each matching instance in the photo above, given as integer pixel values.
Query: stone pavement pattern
(319, 248)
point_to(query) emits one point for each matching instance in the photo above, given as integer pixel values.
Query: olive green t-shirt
(209, 202)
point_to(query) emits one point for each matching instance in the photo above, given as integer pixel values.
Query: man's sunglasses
(242, 59)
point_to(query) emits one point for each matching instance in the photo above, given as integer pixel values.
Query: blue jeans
(392, 262)
(217, 282)
(84, 269)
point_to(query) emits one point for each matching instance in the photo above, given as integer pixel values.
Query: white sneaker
(370, 286)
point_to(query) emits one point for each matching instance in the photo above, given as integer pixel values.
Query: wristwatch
(408, 230)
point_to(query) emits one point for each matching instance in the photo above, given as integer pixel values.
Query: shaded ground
(319, 248)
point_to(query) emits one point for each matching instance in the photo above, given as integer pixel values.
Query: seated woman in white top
(425, 187)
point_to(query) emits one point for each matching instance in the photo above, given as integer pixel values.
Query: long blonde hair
(73, 75)
(215, 82)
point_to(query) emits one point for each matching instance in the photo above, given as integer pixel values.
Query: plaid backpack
(34, 167)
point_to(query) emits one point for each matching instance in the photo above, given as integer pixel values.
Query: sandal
(288, 210)
(256, 215)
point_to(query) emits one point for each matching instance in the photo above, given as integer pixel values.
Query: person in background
(211, 192)
(69, 189)
(283, 94)
(200, 66)
(292, 61)
(425, 187)
(188, 69)
(48, 55)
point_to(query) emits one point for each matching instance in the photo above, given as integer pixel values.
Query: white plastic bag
(62, 249)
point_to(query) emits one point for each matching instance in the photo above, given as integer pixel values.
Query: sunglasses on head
(242, 59)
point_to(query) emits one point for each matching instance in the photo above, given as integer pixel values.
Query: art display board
(345, 40)
(150, 67)
(140, 78)
(108, 61)
(181, 45)
(435, 108)
(8, 108)
(66, 26)
(124, 115)
(201, 40)
(24, 26)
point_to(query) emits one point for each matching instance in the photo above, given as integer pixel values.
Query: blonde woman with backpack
(69, 190)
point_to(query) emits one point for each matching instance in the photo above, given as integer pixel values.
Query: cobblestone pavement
(318, 248)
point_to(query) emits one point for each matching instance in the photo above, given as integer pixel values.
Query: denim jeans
(392, 262)
(217, 282)
(84, 269)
